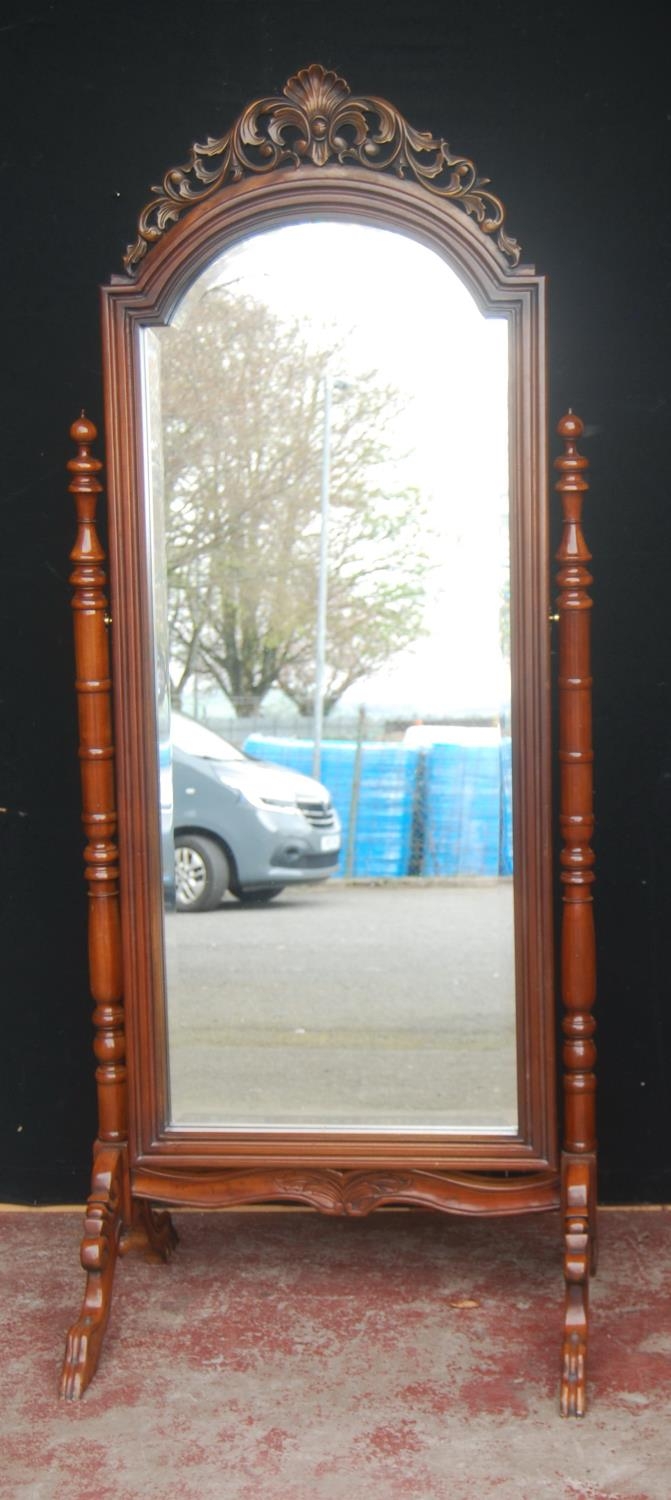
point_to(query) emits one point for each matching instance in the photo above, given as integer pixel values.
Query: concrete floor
(285, 1356)
(344, 1004)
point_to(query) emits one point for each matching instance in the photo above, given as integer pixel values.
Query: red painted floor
(284, 1356)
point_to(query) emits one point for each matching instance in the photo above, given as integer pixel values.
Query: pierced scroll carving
(316, 120)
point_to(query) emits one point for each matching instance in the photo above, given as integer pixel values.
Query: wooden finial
(570, 427)
(82, 431)
(571, 465)
(85, 487)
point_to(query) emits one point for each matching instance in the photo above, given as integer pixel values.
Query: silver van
(243, 825)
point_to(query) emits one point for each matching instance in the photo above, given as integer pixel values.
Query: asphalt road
(346, 1005)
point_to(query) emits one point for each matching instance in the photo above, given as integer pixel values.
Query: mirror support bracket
(113, 1221)
(96, 756)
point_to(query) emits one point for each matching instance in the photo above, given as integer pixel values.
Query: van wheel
(258, 897)
(202, 874)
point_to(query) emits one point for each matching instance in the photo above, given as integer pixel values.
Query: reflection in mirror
(326, 429)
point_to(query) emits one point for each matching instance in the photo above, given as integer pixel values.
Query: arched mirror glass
(326, 423)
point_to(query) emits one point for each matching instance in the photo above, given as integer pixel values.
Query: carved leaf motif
(322, 1189)
(364, 1191)
(316, 120)
(338, 1192)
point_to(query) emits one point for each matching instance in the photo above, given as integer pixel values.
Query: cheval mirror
(326, 435)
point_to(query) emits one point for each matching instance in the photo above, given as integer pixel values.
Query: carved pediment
(316, 120)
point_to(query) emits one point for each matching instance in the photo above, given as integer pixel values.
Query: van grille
(319, 814)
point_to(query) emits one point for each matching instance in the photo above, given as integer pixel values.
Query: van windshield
(196, 739)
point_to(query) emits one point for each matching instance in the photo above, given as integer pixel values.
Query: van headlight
(270, 804)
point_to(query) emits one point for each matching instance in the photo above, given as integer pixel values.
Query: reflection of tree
(504, 592)
(504, 619)
(243, 417)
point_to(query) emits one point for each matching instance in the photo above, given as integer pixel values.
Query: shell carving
(316, 120)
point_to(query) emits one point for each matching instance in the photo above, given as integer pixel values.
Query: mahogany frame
(316, 151)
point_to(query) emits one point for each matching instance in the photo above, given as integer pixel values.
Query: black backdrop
(571, 119)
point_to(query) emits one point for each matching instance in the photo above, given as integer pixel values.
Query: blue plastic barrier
(384, 825)
(443, 809)
(462, 822)
(506, 860)
(384, 822)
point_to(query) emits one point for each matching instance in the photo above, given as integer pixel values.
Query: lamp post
(322, 578)
(322, 581)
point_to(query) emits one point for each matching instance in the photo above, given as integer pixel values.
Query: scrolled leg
(578, 1215)
(98, 1256)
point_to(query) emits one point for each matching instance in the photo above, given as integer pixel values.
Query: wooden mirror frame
(317, 151)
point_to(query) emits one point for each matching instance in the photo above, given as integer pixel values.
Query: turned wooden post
(578, 965)
(576, 807)
(96, 752)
